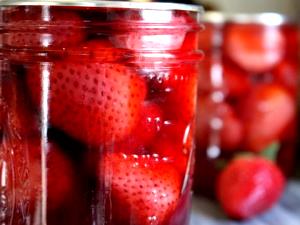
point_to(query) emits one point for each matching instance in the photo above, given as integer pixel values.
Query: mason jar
(98, 104)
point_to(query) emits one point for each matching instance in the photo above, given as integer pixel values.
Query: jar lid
(110, 4)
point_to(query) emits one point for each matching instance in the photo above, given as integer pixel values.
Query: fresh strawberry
(249, 186)
(254, 47)
(217, 122)
(149, 123)
(28, 185)
(143, 189)
(267, 111)
(97, 103)
(40, 27)
(167, 31)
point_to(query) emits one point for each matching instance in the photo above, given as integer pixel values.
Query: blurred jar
(247, 93)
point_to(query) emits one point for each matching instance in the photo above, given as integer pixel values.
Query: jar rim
(264, 18)
(101, 3)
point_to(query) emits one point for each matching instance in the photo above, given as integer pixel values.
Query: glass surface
(97, 115)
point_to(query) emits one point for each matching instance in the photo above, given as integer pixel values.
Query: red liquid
(247, 97)
(98, 108)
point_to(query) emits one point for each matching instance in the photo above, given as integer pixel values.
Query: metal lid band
(110, 4)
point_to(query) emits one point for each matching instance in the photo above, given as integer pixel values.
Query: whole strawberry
(95, 101)
(249, 186)
(143, 190)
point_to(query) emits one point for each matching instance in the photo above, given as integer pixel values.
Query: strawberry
(28, 185)
(97, 103)
(217, 122)
(180, 96)
(143, 189)
(166, 32)
(249, 186)
(174, 141)
(267, 111)
(148, 126)
(40, 27)
(254, 47)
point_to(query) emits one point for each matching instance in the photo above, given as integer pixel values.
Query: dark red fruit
(19, 118)
(255, 48)
(249, 186)
(27, 166)
(143, 189)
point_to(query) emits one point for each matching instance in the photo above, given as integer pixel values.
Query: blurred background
(290, 7)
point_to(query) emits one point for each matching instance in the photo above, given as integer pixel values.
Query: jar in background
(247, 94)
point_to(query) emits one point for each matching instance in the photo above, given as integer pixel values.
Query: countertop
(285, 212)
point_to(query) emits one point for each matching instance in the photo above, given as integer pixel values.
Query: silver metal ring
(110, 4)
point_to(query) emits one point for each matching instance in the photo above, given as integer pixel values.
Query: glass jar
(247, 93)
(97, 112)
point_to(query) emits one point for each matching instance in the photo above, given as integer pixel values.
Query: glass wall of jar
(97, 112)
